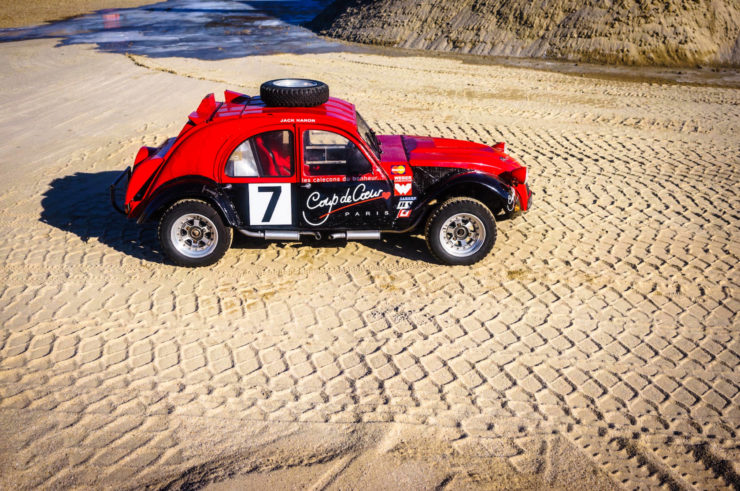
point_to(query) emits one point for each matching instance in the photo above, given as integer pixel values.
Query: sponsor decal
(402, 189)
(407, 198)
(367, 213)
(298, 120)
(404, 205)
(325, 179)
(403, 214)
(328, 204)
(398, 170)
(402, 178)
(339, 178)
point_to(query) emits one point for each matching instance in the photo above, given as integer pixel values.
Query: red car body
(405, 177)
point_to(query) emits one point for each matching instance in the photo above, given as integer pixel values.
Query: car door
(260, 177)
(341, 187)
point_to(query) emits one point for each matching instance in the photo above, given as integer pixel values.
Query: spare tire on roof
(294, 92)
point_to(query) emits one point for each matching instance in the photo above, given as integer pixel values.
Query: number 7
(275, 190)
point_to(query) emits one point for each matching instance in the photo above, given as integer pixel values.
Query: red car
(295, 162)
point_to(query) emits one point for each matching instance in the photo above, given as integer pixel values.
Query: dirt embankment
(631, 32)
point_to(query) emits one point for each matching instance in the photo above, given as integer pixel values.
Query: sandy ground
(19, 13)
(595, 348)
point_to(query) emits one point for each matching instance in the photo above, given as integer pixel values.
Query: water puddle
(208, 30)
(220, 29)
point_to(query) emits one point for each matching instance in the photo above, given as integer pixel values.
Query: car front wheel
(461, 231)
(193, 234)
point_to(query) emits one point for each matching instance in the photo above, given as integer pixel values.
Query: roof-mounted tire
(294, 92)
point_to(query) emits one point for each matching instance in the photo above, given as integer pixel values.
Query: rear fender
(186, 187)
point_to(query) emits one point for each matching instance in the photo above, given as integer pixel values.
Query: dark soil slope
(632, 32)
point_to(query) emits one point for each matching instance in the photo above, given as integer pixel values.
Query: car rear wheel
(193, 234)
(294, 92)
(460, 231)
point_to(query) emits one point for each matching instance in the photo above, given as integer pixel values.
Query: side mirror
(357, 164)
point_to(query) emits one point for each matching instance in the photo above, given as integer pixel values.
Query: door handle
(306, 185)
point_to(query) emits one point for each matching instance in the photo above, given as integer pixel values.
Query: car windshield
(368, 135)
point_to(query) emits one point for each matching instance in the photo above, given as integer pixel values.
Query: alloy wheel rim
(294, 83)
(462, 235)
(194, 235)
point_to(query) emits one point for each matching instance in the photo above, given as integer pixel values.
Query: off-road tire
(451, 208)
(279, 93)
(169, 220)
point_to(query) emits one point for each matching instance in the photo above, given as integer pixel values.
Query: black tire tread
(274, 96)
(441, 209)
(228, 234)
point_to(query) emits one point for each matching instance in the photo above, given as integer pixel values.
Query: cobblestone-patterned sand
(596, 347)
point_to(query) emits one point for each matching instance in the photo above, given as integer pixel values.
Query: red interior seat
(275, 157)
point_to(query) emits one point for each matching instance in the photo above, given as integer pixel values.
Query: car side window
(326, 153)
(268, 154)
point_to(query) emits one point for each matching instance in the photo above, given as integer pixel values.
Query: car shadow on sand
(80, 203)
(410, 247)
(399, 245)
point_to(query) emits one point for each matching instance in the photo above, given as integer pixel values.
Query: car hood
(424, 151)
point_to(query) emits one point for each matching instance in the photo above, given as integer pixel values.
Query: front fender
(484, 187)
(496, 194)
(492, 188)
(186, 187)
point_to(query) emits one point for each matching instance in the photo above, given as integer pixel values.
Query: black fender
(487, 188)
(187, 187)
